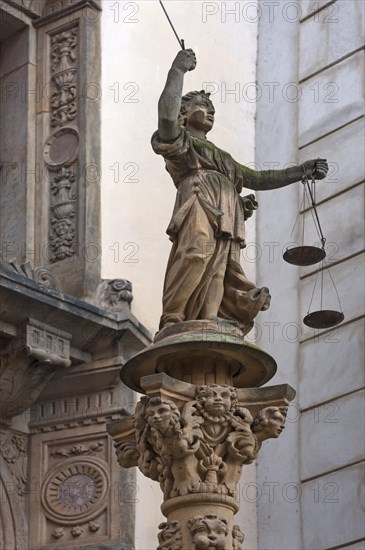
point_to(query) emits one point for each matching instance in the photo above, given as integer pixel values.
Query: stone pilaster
(68, 144)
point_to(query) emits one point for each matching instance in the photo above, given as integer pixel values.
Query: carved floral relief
(13, 448)
(61, 148)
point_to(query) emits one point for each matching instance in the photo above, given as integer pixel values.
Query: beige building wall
(308, 103)
(311, 482)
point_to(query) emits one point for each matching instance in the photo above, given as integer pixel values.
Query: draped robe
(207, 230)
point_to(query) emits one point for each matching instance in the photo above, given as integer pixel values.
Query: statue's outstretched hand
(185, 61)
(316, 169)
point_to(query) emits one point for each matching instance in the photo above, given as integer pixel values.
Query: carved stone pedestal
(193, 432)
(200, 521)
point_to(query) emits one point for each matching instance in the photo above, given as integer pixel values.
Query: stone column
(198, 425)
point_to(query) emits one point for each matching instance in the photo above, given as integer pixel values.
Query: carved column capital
(201, 420)
(194, 440)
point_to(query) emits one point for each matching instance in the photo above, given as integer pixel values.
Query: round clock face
(75, 490)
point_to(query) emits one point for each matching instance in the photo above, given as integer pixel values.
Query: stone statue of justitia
(204, 278)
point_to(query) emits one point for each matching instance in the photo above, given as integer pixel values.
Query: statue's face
(210, 534)
(159, 416)
(218, 400)
(276, 423)
(200, 114)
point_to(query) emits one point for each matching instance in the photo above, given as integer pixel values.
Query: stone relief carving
(79, 450)
(64, 79)
(201, 448)
(115, 294)
(75, 491)
(63, 213)
(13, 448)
(64, 98)
(39, 274)
(45, 277)
(170, 537)
(269, 423)
(61, 148)
(63, 46)
(208, 531)
(237, 538)
(93, 526)
(77, 531)
(58, 533)
(62, 238)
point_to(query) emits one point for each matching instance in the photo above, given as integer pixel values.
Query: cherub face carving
(162, 415)
(216, 400)
(208, 532)
(270, 422)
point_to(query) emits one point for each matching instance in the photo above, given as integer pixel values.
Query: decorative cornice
(32, 13)
(43, 422)
(84, 313)
(39, 275)
(45, 19)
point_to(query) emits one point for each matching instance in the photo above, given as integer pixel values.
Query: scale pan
(304, 255)
(326, 318)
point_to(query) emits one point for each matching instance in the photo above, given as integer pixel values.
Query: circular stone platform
(202, 352)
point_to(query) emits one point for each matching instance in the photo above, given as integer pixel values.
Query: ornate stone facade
(61, 341)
